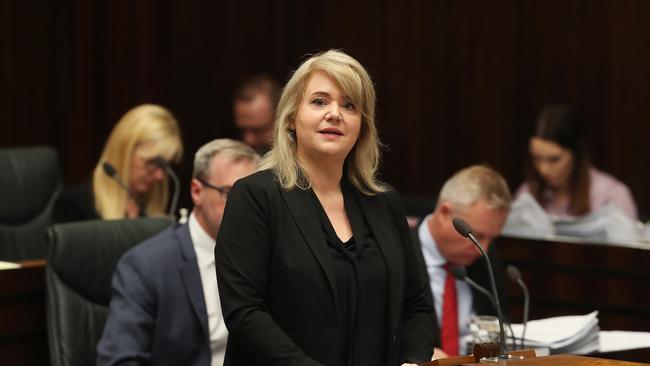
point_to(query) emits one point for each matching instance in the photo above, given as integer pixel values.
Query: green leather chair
(80, 265)
(30, 182)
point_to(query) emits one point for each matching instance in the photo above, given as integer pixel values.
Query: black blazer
(478, 272)
(76, 203)
(275, 278)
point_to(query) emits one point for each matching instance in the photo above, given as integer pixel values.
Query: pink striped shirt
(604, 189)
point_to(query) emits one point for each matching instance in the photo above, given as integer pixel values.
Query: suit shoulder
(262, 178)
(393, 199)
(155, 249)
(261, 183)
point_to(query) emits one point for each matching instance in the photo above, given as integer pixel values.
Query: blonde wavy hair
(153, 131)
(363, 160)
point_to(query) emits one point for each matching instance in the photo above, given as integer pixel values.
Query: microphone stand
(461, 274)
(464, 229)
(515, 276)
(163, 164)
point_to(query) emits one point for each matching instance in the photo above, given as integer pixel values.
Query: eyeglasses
(153, 165)
(223, 190)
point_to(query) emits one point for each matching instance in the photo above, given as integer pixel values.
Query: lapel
(301, 206)
(382, 226)
(189, 271)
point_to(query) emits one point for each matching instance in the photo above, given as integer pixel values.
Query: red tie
(449, 336)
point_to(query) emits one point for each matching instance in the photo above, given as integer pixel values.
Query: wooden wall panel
(459, 81)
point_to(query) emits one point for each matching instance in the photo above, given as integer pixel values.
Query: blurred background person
(559, 174)
(150, 321)
(315, 263)
(253, 109)
(480, 196)
(144, 133)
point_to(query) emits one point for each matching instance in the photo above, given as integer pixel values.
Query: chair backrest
(30, 182)
(81, 261)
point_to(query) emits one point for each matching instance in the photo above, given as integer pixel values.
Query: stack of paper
(8, 265)
(564, 334)
(618, 340)
(608, 222)
(528, 219)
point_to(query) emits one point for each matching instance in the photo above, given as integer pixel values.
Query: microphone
(164, 165)
(515, 275)
(465, 230)
(110, 170)
(460, 273)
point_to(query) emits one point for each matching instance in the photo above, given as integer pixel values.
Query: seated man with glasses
(165, 307)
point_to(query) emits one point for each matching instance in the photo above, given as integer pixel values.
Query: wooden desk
(23, 330)
(563, 360)
(578, 277)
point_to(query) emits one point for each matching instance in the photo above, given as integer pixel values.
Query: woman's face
(552, 162)
(327, 123)
(144, 172)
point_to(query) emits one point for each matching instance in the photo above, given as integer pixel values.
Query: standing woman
(144, 133)
(559, 174)
(314, 260)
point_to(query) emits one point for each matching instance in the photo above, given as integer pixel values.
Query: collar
(432, 256)
(202, 242)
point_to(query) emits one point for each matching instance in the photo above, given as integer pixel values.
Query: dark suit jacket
(478, 272)
(157, 312)
(275, 278)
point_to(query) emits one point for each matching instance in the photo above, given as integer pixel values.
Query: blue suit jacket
(157, 313)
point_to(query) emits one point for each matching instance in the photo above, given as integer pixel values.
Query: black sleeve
(75, 204)
(417, 324)
(243, 253)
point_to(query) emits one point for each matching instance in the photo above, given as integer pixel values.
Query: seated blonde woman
(143, 134)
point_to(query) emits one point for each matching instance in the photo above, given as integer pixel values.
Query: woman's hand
(438, 353)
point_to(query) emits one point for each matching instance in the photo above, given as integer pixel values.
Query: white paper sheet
(8, 265)
(618, 340)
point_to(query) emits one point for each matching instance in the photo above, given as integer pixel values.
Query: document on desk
(527, 218)
(618, 340)
(575, 334)
(8, 265)
(608, 222)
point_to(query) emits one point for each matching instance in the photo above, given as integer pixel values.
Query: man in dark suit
(481, 197)
(165, 308)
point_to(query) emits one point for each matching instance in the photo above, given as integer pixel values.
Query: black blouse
(362, 284)
(76, 204)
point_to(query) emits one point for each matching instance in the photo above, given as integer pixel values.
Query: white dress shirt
(204, 249)
(437, 276)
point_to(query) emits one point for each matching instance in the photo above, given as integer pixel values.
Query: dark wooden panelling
(23, 330)
(577, 278)
(459, 81)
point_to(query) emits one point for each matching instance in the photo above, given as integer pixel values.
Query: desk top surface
(563, 360)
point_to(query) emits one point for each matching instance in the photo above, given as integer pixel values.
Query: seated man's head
(217, 166)
(255, 100)
(480, 196)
